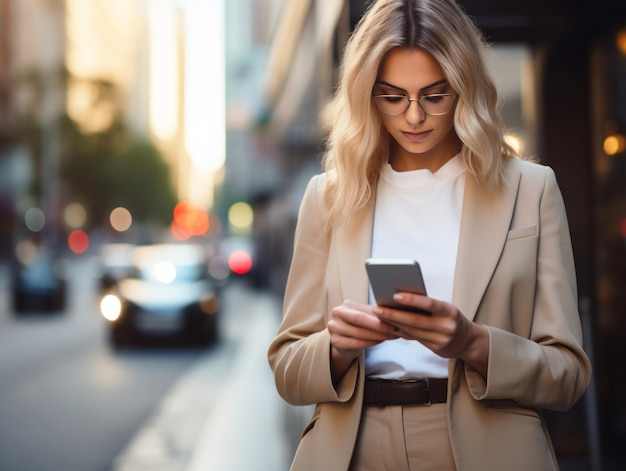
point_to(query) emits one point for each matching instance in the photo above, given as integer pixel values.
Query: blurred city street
(69, 401)
(133, 123)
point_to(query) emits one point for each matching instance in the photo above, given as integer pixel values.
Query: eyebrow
(427, 87)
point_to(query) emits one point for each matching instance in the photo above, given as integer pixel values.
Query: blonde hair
(358, 145)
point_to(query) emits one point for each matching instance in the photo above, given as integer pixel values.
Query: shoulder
(316, 186)
(536, 184)
(313, 199)
(319, 180)
(528, 168)
(530, 173)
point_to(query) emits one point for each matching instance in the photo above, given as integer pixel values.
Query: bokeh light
(111, 307)
(26, 251)
(240, 218)
(180, 212)
(218, 267)
(621, 40)
(614, 144)
(35, 219)
(180, 232)
(121, 219)
(165, 272)
(240, 262)
(75, 215)
(189, 220)
(78, 241)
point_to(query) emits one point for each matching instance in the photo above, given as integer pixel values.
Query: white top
(417, 215)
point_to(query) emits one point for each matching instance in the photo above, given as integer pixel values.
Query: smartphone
(388, 276)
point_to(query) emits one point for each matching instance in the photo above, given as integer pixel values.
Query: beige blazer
(514, 273)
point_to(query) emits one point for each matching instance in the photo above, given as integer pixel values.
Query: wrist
(477, 352)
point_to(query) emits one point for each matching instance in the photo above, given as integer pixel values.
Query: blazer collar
(485, 223)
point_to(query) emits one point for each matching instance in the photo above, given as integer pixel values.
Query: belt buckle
(427, 390)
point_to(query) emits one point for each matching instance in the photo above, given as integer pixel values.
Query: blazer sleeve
(550, 368)
(299, 355)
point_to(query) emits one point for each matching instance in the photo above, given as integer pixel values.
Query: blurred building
(567, 106)
(253, 166)
(137, 47)
(5, 192)
(96, 61)
(33, 46)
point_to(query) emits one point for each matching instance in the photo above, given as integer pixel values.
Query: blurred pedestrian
(417, 167)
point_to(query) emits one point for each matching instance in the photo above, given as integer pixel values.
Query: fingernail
(377, 311)
(398, 297)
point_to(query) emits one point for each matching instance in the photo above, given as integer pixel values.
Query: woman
(417, 168)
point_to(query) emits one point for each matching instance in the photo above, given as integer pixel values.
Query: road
(68, 402)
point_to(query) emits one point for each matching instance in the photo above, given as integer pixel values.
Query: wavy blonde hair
(358, 144)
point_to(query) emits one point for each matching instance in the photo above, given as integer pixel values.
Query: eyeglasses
(435, 105)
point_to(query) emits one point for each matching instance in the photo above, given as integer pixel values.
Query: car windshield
(167, 264)
(167, 272)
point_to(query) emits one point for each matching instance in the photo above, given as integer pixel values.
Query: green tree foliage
(115, 168)
(101, 170)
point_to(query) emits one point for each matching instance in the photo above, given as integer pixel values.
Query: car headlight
(111, 307)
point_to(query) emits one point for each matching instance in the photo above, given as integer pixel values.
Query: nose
(414, 113)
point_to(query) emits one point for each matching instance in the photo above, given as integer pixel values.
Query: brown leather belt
(381, 392)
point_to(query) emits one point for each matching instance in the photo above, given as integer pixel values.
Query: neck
(402, 161)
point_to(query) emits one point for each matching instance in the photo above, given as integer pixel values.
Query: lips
(419, 136)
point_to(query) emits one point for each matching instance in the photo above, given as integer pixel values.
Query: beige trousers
(399, 438)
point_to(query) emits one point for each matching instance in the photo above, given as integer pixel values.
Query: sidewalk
(246, 431)
(237, 426)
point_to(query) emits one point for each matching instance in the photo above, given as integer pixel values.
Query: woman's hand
(447, 332)
(353, 327)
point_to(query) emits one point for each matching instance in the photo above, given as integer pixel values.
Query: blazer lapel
(353, 246)
(485, 223)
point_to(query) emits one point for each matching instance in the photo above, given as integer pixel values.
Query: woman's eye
(432, 98)
(394, 98)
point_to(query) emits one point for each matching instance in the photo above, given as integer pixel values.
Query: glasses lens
(391, 104)
(437, 104)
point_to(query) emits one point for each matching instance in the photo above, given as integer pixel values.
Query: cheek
(388, 124)
(448, 122)
(446, 130)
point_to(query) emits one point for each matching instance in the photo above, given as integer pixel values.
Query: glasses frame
(419, 102)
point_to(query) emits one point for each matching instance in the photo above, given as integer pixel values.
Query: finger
(363, 319)
(405, 320)
(360, 333)
(417, 300)
(357, 324)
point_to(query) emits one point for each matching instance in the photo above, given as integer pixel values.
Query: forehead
(410, 68)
